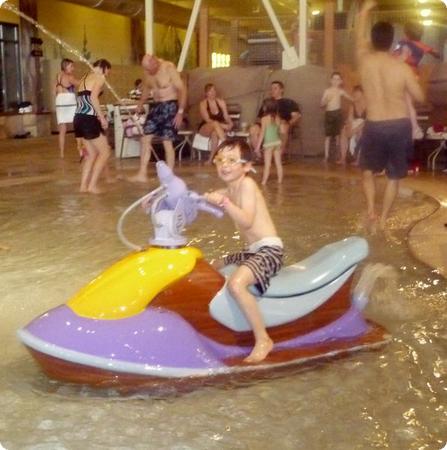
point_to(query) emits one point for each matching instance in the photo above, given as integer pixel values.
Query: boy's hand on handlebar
(215, 198)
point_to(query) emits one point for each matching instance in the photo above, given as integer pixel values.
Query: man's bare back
(386, 80)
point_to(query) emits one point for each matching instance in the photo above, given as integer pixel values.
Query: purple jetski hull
(159, 343)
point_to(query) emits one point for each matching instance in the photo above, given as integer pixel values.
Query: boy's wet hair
(336, 73)
(103, 64)
(232, 143)
(382, 35)
(414, 30)
(66, 62)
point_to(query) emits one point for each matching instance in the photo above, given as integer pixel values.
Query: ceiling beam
(164, 13)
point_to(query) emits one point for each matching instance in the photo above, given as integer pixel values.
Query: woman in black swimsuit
(215, 119)
(90, 123)
(65, 87)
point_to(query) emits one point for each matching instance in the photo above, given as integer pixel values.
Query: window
(10, 78)
(220, 60)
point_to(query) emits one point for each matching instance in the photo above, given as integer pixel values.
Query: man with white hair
(162, 81)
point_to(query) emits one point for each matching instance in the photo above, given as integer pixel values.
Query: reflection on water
(394, 398)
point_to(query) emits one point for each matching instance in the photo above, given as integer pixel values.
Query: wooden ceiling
(234, 8)
(177, 12)
(252, 10)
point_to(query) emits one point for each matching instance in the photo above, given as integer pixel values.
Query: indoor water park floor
(54, 240)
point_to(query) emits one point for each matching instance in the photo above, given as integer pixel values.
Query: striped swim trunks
(264, 263)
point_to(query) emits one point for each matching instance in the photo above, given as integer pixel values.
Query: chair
(121, 115)
(234, 111)
(200, 144)
(437, 136)
(184, 138)
(132, 130)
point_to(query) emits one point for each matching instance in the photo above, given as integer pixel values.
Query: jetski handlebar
(171, 207)
(206, 206)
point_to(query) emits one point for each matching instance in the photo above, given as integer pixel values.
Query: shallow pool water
(54, 240)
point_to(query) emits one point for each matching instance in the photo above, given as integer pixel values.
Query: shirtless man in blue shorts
(162, 80)
(387, 136)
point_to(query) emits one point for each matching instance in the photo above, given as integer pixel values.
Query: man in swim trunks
(387, 139)
(288, 111)
(162, 80)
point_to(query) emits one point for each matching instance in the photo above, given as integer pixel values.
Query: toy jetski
(162, 316)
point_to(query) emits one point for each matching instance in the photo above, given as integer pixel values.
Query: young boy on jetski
(244, 203)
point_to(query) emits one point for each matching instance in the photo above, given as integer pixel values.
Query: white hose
(119, 226)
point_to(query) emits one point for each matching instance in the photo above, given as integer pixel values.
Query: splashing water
(370, 274)
(4, 4)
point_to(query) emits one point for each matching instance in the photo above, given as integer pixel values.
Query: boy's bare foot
(260, 351)
(83, 189)
(340, 162)
(138, 178)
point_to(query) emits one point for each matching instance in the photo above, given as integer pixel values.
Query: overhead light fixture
(316, 12)
(425, 12)
(427, 23)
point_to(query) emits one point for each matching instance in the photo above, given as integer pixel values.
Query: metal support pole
(290, 58)
(276, 25)
(189, 33)
(149, 25)
(303, 32)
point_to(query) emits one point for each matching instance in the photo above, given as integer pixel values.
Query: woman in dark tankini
(215, 119)
(90, 124)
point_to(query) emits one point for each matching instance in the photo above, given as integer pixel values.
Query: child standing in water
(270, 139)
(333, 117)
(411, 50)
(244, 203)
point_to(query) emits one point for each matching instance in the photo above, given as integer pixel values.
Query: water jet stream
(4, 4)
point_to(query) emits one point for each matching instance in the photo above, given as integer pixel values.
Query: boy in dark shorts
(333, 116)
(244, 203)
